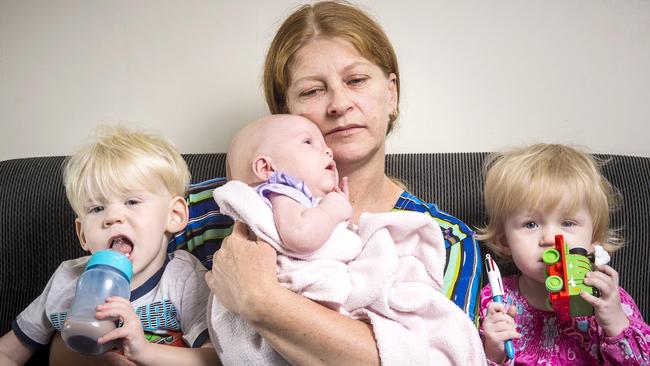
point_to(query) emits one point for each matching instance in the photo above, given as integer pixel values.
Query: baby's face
(300, 151)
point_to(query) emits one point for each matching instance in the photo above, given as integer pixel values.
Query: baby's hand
(339, 198)
(133, 342)
(340, 202)
(345, 189)
(498, 327)
(607, 308)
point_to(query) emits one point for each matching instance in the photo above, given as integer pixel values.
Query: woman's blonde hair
(330, 19)
(540, 176)
(119, 159)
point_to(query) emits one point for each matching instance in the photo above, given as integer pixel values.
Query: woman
(334, 65)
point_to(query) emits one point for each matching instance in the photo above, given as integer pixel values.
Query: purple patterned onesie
(579, 341)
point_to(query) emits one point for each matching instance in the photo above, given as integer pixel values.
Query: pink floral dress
(579, 341)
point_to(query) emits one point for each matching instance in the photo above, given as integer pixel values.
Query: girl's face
(348, 97)
(528, 233)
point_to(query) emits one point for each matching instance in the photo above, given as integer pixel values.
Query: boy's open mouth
(121, 244)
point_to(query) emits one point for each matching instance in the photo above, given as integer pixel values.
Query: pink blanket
(389, 273)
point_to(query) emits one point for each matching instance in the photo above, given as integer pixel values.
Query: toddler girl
(531, 195)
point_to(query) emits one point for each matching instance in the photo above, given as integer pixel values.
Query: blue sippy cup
(108, 273)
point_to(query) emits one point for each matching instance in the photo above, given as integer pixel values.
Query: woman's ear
(178, 215)
(80, 234)
(263, 167)
(392, 91)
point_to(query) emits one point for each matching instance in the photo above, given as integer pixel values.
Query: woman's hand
(607, 308)
(244, 280)
(498, 326)
(243, 271)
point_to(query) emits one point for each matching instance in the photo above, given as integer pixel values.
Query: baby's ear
(178, 215)
(263, 167)
(80, 234)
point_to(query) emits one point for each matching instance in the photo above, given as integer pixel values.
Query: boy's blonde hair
(540, 176)
(120, 158)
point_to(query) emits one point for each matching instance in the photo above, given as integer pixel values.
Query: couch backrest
(37, 224)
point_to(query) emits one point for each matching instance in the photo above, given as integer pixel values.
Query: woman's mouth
(344, 131)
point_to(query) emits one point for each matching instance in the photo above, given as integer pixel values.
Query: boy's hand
(134, 344)
(607, 308)
(61, 355)
(498, 327)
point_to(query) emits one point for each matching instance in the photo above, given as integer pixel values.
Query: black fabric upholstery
(37, 224)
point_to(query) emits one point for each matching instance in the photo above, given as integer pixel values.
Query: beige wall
(476, 75)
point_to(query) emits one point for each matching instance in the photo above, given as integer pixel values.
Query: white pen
(496, 286)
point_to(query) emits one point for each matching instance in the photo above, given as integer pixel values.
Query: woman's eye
(309, 93)
(95, 209)
(358, 81)
(530, 225)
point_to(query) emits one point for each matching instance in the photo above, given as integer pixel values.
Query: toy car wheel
(595, 291)
(554, 284)
(579, 250)
(550, 257)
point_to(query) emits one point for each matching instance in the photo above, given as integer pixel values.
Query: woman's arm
(244, 280)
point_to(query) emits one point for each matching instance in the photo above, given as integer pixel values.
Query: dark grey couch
(37, 225)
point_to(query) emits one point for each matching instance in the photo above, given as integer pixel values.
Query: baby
(287, 160)
(388, 271)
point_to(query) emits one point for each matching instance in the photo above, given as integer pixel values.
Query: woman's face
(348, 97)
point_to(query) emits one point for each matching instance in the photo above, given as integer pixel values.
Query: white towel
(389, 274)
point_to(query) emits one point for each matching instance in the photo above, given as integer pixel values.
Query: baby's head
(127, 189)
(542, 178)
(284, 143)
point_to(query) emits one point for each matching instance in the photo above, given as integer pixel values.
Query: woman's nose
(340, 102)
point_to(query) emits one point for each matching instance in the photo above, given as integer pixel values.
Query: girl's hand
(607, 308)
(243, 272)
(134, 344)
(498, 327)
